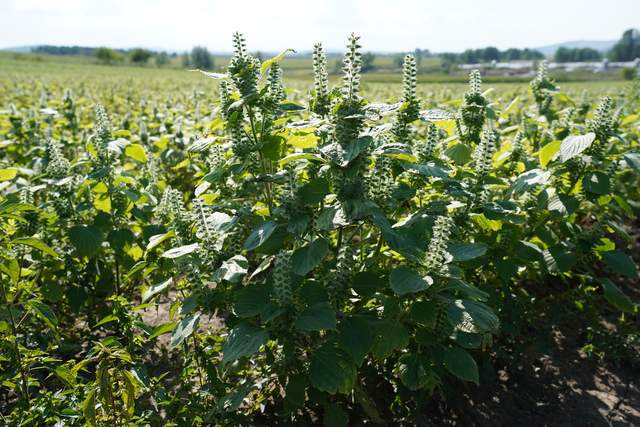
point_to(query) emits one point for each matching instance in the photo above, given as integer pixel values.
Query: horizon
(455, 27)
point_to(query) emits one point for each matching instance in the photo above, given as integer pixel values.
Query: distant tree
(627, 48)
(490, 54)
(106, 55)
(367, 62)
(162, 59)
(201, 58)
(140, 56)
(418, 55)
(185, 60)
(585, 54)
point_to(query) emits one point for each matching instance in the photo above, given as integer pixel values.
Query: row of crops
(243, 253)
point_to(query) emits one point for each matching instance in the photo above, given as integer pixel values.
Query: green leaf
(335, 416)
(89, 408)
(300, 156)
(616, 297)
(391, 336)
(309, 257)
(295, 391)
(259, 235)
(153, 290)
(460, 363)
(155, 240)
(36, 244)
(633, 160)
(574, 145)
(404, 281)
(412, 372)
(596, 182)
(332, 370)
(366, 283)
(269, 62)
(65, 375)
(243, 341)
(136, 152)
(106, 319)
(180, 251)
(355, 337)
(232, 270)
(459, 153)
(620, 263)
(302, 141)
(183, 330)
(317, 317)
(314, 191)
(548, 152)
(7, 174)
(251, 300)
(165, 328)
(472, 317)
(467, 251)
(45, 313)
(87, 239)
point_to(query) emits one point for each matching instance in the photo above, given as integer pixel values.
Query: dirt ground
(559, 388)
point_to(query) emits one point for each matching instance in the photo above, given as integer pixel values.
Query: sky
(273, 25)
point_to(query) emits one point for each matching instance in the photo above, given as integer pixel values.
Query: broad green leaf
(574, 145)
(596, 182)
(318, 317)
(332, 370)
(391, 336)
(259, 235)
(7, 174)
(616, 297)
(403, 281)
(412, 372)
(36, 244)
(251, 300)
(472, 317)
(335, 416)
(153, 290)
(467, 251)
(300, 156)
(232, 270)
(136, 152)
(459, 153)
(461, 364)
(180, 251)
(305, 259)
(548, 152)
(620, 263)
(87, 239)
(302, 141)
(159, 238)
(165, 328)
(633, 160)
(314, 191)
(243, 341)
(184, 329)
(355, 337)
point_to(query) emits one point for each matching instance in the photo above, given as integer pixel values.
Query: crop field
(282, 244)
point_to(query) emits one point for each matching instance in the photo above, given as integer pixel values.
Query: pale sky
(273, 25)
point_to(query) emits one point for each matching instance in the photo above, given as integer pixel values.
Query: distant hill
(599, 45)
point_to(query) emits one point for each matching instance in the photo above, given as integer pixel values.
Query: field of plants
(191, 248)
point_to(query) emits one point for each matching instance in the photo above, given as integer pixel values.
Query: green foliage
(293, 252)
